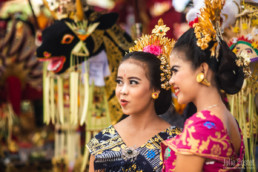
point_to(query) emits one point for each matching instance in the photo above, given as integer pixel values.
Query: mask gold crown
(159, 45)
(208, 26)
(245, 33)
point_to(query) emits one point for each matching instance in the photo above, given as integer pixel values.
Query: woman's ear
(204, 67)
(156, 90)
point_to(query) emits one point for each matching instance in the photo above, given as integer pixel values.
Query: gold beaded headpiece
(207, 27)
(159, 45)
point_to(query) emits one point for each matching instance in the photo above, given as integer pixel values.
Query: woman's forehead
(135, 61)
(178, 54)
(133, 67)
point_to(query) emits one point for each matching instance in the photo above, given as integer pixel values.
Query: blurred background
(42, 121)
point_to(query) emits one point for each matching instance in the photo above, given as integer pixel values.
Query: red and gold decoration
(207, 27)
(159, 45)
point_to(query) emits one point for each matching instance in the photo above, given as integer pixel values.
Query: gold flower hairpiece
(243, 61)
(208, 26)
(159, 45)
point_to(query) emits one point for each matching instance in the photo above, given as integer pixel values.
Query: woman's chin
(125, 111)
(180, 101)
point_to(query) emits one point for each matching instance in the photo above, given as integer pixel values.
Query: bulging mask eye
(67, 39)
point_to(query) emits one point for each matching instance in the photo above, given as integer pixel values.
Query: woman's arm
(91, 167)
(189, 163)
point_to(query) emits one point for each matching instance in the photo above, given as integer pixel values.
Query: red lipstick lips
(123, 102)
(176, 89)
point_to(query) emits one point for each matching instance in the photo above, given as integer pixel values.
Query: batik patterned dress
(204, 135)
(112, 155)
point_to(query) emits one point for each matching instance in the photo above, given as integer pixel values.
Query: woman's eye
(132, 82)
(118, 81)
(173, 71)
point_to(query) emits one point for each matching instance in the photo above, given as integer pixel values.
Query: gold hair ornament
(208, 26)
(159, 45)
(243, 61)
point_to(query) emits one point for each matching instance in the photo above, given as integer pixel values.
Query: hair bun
(164, 101)
(230, 77)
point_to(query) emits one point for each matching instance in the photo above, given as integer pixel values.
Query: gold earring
(200, 78)
(155, 95)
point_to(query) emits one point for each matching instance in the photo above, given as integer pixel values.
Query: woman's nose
(124, 90)
(171, 81)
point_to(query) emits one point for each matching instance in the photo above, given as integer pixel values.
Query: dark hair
(229, 77)
(153, 71)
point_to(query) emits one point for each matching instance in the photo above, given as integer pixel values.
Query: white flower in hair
(228, 13)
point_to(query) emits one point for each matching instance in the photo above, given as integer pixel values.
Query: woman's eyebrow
(133, 77)
(174, 67)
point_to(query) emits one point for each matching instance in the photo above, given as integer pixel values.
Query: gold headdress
(208, 26)
(159, 45)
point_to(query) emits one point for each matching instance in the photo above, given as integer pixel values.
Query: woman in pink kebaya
(202, 67)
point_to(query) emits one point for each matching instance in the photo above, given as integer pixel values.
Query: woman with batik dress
(143, 91)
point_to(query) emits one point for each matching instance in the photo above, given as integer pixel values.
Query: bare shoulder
(164, 124)
(226, 118)
(231, 126)
(121, 125)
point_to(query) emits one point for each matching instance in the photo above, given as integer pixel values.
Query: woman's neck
(208, 99)
(144, 120)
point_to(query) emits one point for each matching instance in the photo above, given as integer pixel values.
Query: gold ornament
(208, 27)
(155, 95)
(243, 61)
(159, 45)
(200, 78)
